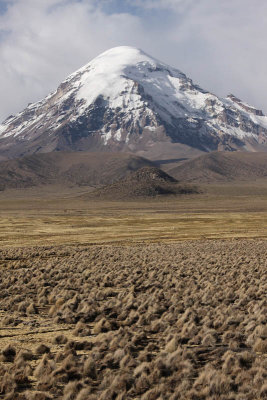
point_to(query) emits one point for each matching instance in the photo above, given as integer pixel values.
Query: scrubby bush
(169, 322)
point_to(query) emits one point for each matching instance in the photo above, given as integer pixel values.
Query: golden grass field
(223, 212)
(156, 299)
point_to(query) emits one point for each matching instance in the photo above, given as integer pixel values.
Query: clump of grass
(8, 320)
(60, 339)
(246, 359)
(142, 384)
(229, 362)
(42, 349)
(208, 340)
(81, 329)
(101, 326)
(89, 368)
(71, 390)
(25, 355)
(31, 309)
(44, 367)
(8, 353)
(263, 391)
(260, 346)
(7, 384)
(171, 346)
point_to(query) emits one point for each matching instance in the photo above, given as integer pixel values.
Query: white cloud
(47, 39)
(228, 39)
(219, 43)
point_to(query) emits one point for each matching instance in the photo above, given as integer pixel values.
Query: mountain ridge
(222, 167)
(68, 169)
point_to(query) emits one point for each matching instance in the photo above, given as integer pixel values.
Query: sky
(220, 44)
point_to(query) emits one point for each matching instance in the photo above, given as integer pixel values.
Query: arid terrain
(156, 298)
(133, 203)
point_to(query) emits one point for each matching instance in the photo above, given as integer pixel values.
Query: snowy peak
(116, 62)
(119, 76)
(128, 101)
(105, 75)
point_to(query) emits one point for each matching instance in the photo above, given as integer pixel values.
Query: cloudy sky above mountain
(220, 44)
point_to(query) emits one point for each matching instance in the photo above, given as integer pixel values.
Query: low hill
(223, 167)
(68, 168)
(146, 182)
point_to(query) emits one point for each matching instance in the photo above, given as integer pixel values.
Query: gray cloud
(175, 5)
(219, 43)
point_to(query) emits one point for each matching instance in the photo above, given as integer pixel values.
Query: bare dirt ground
(162, 299)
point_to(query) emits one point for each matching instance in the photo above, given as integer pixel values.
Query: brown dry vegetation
(54, 215)
(108, 305)
(147, 321)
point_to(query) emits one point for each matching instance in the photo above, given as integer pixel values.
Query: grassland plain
(58, 217)
(155, 299)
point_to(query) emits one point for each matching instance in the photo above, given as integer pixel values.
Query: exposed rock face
(245, 106)
(124, 100)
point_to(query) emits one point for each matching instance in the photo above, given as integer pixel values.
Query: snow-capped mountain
(126, 100)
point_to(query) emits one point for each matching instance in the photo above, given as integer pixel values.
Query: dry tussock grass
(180, 321)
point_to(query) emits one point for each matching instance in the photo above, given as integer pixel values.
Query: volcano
(126, 100)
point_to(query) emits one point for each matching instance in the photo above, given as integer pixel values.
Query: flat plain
(54, 216)
(159, 298)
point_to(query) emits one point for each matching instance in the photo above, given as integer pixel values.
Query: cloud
(228, 40)
(220, 44)
(176, 5)
(42, 42)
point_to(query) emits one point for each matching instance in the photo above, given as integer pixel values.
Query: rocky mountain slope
(125, 100)
(70, 169)
(223, 167)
